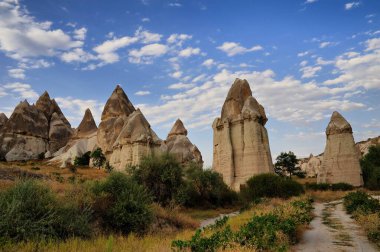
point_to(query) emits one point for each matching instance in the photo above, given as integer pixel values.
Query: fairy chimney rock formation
(115, 113)
(83, 140)
(124, 134)
(178, 144)
(87, 125)
(241, 144)
(341, 158)
(34, 129)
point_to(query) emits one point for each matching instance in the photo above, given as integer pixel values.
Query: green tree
(161, 175)
(370, 165)
(98, 158)
(83, 160)
(286, 164)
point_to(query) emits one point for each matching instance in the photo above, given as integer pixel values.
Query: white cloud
(74, 108)
(310, 1)
(208, 63)
(175, 4)
(189, 51)
(145, 19)
(358, 70)
(181, 86)
(34, 64)
(77, 55)
(80, 34)
(142, 93)
(145, 54)
(373, 44)
(21, 36)
(21, 90)
(178, 38)
(302, 54)
(232, 48)
(17, 73)
(176, 74)
(106, 50)
(303, 63)
(147, 37)
(325, 44)
(349, 6)
(309, 71)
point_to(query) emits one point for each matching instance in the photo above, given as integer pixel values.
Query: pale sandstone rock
(135, 140)
(115, 113)
(363, 146)
(311, 165)
(340, 158)
(34, 129)
(178, 144)
(84, 140)
(241, 144)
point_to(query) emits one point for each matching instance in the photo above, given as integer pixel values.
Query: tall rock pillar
(241, 144)
(341, 158)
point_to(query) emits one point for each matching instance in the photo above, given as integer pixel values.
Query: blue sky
(177, 59)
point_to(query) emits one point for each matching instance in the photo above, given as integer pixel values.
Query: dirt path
(333, 230)
(212, 221)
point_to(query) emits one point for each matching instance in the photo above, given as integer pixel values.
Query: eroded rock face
(34, 129)
(124, 134)
(3, 120)
(363, 146)
(178, 144)
(341, 158)
(241, 144)
(83, 140)
(311, 165)
(115, 113)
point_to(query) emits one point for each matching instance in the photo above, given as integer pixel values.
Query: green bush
(122, 204)
(271, 186)
(83, 160)
(361, 201)
(205, 188)
(30, 211)
(342, 187)
(267, 232)
(161, 175)
(98, 158)
(317, 186)
(370, 165)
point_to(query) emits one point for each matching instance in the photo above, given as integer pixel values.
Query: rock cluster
(3, 120)
(363, 146)
(178, 144)
(341, 158)
(311, 165)
(124, 134)
(83, 140)
(34, 129)
(240, 141)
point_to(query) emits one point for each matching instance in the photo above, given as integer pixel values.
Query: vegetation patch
(274, 230)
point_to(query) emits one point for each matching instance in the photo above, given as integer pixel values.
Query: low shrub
(83, 160)
(271, 186)
(361, 202)
(317, 186)
(271, 231)
(205, 188)
(342, 187)
(30, 211)
(161, 175)
(122, 204)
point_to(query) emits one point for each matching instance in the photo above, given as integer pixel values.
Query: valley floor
(332, 229)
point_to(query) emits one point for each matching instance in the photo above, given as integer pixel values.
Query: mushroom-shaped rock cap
(87, 125)
(178, 129)
(254, 110)
(117, 105)
(236, 97)
(338, 124)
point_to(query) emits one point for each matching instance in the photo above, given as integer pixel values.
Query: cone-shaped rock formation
(178, 144)
(34, 129)
(83, 140)
(3, 120)
(241, 145)
(341, 158)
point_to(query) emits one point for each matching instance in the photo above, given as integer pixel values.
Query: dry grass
(326, 196)
(371, 225)
(202, 214)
